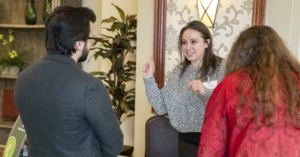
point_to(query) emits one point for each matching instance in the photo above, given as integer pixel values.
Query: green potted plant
(115, 47)
(10, 60)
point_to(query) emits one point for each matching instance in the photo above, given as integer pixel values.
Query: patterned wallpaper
(233, 16)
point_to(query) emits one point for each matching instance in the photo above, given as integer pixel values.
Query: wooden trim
(159, 41)
(6, 126)
(258, 12)
(8, 76)
(21, 26)
(74, 3)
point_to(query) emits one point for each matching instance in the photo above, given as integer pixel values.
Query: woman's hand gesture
(197, 86)
(148, 69)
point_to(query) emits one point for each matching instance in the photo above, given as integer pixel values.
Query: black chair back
(161, 138)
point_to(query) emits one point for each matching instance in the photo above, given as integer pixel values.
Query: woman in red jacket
(255, 110)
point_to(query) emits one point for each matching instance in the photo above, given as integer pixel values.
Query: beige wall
(108, 10)
(144, 51)
(103, 9)
(128, 6)
(93, 65)
(145, 12)
(283, 16)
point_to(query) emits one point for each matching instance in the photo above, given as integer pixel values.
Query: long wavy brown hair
(261, 54)
(210, 61)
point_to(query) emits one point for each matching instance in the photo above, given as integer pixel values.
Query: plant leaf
(131, 17)
(109, 20)
(117, 26)
(121, 12)
(115, 47)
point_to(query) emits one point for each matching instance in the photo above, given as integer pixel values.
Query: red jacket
(222, 137)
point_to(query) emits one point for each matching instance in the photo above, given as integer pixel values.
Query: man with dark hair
(67, 112)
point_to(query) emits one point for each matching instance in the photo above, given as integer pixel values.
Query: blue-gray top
(184, 107)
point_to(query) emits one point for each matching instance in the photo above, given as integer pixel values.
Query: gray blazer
(65, 111)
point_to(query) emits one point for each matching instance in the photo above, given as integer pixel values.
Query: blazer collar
(60, 57)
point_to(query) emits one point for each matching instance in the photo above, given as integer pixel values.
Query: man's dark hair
(65, 26)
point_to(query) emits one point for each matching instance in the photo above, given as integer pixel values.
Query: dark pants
(188, 144)
(186, 149)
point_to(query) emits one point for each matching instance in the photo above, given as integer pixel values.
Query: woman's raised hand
(148, 69)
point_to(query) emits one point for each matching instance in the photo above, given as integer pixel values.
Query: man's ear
(78, 46)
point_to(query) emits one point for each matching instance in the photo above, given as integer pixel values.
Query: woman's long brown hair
(260, 53)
